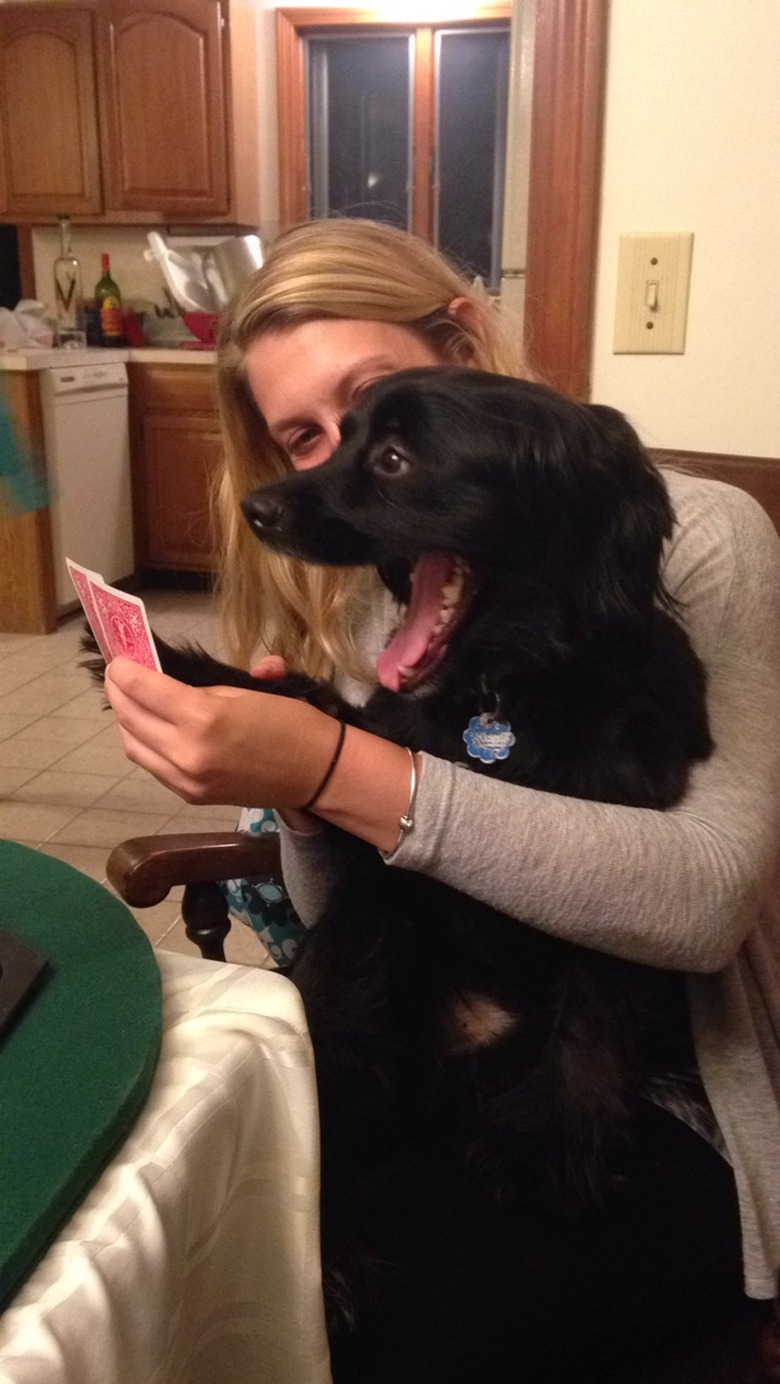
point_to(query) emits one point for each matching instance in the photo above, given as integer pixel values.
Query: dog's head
(466, 489)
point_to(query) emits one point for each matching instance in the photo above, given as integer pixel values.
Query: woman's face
(305, 378)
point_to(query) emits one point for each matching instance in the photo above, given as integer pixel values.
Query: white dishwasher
(85, 424)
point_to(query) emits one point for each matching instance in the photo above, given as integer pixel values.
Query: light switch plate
(654, 273)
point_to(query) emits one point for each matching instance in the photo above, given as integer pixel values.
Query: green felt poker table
(77, 1061)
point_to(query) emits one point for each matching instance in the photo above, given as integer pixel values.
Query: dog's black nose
(262, 512)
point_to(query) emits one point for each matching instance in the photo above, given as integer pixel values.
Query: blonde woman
(486, 1293)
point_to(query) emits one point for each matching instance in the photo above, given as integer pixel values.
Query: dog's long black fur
(567, 635)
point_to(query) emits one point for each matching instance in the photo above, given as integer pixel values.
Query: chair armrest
(144, 869)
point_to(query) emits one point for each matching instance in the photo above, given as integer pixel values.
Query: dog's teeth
(453, 589)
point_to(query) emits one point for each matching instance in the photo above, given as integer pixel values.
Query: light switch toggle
(654, 273)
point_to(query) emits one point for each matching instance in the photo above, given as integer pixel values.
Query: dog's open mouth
(441, 588)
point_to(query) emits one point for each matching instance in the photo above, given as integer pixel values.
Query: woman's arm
(677, 888)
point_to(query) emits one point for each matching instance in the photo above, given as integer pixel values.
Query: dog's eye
(389, 461)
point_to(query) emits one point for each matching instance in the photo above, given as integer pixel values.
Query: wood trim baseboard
(675, 455)
(760, 476)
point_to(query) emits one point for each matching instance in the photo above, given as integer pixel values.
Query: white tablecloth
(195, 1257)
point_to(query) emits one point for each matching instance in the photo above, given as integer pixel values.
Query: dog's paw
(493, 1163)
(351, 1282)
(93, 661)
(342, 1305)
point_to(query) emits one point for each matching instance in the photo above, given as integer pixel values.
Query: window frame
(293, 26)
(569, 67)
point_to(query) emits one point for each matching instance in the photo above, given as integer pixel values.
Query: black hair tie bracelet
(307, 806)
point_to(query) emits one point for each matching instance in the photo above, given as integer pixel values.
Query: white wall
(692, 143)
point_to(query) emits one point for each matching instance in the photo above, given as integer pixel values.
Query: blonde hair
(339, 268)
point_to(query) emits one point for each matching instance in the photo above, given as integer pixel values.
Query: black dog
(536, 525)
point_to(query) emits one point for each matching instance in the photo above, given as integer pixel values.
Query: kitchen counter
(40, 358)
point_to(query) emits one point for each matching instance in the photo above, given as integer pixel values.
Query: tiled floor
(66, 787)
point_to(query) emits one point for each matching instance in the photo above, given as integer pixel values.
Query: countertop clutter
(41, 358)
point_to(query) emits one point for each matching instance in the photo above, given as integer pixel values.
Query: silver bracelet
(406, 821)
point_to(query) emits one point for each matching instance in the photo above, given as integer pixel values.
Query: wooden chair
(144, 869)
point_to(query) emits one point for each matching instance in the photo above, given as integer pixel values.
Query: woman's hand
(227, 745)
(222, 744)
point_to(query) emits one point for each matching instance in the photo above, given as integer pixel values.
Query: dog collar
(488, 739)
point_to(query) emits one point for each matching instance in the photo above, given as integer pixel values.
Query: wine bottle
(108, 301)
(68, 293)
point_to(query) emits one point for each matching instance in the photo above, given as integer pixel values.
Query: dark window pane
(472, 84)
(360, 126)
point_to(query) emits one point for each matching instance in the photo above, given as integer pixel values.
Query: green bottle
(108, 301)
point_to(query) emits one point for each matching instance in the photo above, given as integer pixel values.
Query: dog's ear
(629, 515)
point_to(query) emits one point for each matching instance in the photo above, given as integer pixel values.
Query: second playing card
(126, 627)
(85, 581)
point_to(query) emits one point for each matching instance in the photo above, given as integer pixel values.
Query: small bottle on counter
(68, 293)
(108, 301)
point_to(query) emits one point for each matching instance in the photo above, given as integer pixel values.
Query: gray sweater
(695, 888)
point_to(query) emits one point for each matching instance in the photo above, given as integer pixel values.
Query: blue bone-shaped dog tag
(487, 739)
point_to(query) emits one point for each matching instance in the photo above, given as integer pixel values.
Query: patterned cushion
(263, 903)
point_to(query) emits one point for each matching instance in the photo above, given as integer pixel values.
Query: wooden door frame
(566, 132)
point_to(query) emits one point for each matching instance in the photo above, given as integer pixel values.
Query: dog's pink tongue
(412, 638)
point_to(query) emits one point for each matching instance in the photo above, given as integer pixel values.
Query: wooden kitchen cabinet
(164, 134)
(129, 110)
(49, 159)
(175, 448)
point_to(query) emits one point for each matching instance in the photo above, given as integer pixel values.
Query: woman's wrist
(313, 798)
(406, 820)
(368, 792)
(302, 819)
(302, 823)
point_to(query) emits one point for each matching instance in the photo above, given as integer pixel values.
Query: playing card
(125, 624)
(84, 580)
